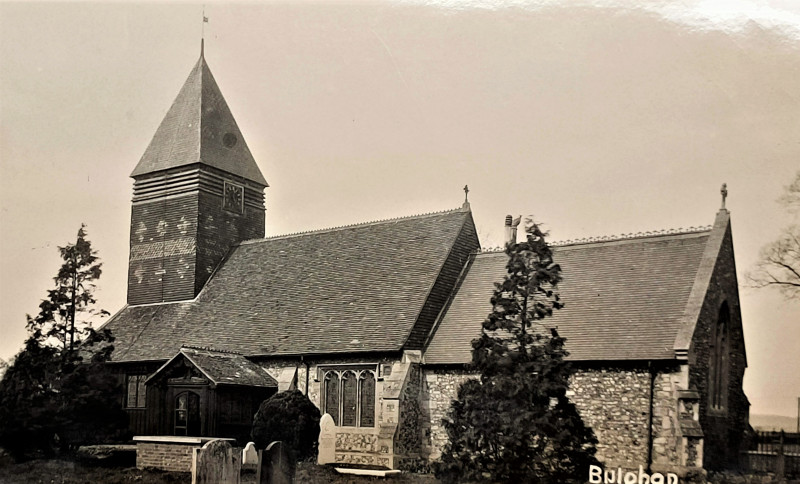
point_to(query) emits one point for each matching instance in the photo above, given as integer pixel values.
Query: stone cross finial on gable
(724, 192)
(465, 206)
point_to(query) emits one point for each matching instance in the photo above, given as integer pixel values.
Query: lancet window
(719, 364)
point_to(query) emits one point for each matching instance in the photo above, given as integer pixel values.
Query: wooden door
(187, 414)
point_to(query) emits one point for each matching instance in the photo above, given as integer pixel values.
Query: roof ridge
(209, 348)
(615, 238)
(348, 226)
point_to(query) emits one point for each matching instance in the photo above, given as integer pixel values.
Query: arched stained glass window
(367, 395)
(332, 395)
(349, 396)
(349, 399)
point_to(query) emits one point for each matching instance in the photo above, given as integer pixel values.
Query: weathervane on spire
(724, 192)
(203, 32)
(465, 206)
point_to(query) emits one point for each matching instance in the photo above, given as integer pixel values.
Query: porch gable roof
(222, 368)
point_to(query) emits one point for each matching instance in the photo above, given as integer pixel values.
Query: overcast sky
(595, 118)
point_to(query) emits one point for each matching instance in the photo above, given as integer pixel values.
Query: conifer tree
(72, 297)
(515, 423)
(58, 392)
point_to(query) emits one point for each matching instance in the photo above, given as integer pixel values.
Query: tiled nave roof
(624, 299)
(361, 288)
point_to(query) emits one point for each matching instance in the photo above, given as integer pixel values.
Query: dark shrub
(291, 418)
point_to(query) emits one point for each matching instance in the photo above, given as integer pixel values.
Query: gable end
(465, 244)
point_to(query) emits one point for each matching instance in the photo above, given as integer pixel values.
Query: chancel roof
(361, 288)
(628, 299)
(199, 128)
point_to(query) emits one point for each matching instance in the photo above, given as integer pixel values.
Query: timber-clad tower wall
(197, 192)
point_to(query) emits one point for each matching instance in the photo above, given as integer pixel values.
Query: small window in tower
(233, 197)
(229, 140)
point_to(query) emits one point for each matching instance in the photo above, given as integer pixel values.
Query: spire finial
(465, 206)
(724, 192)
(203, 32)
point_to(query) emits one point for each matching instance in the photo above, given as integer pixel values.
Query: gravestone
(250, 454)
(327, 440)
(249, 473)
(216, 463)
(277, 465)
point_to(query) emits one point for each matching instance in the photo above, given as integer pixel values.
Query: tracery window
(349, 396)
(136, 394)
(718, 364)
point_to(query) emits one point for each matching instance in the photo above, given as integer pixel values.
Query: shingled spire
(199, 128)
(197, 192)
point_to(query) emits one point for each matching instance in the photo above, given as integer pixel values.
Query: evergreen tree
(58, 392)
(515, 423)
(72, 296)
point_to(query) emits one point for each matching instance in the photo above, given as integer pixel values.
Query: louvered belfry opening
(197, 192)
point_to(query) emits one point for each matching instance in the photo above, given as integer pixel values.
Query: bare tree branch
(791, 197)
(779, 262)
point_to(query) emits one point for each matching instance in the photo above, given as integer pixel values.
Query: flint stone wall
(613, 401)
(439, 389)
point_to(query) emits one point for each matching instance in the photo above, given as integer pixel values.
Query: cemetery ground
(61, 471)
(65, 471)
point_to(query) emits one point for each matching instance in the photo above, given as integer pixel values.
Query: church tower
(197, 191)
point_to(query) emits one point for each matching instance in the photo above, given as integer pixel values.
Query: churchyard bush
(291, 418)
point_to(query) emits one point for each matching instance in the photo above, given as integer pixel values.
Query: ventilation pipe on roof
(511, 229)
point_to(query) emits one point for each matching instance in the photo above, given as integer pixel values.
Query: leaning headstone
(216, 463)
(250, 454)
(327, 440)
(277, 465)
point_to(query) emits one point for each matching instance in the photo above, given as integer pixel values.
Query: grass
(56, 471)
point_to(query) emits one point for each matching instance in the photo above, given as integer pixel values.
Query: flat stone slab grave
(367, 472)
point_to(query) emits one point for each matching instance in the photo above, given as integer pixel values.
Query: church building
(374, 321)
